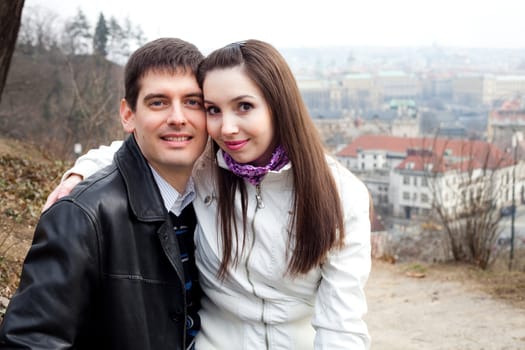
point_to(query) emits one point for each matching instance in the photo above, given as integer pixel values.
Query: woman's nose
(229, 125)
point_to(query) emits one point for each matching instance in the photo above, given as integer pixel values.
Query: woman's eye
(245, 107)
(212, 110)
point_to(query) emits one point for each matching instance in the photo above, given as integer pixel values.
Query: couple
(282, 244)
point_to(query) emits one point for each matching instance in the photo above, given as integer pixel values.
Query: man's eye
(245, 107)
(156, 103)
(194, 102)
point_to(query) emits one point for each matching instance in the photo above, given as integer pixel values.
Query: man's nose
(176, 115)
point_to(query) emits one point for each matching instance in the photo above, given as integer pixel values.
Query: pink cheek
(212, 129)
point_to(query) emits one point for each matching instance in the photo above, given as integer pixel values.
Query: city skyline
(315, 24)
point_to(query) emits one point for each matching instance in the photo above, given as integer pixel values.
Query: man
(109, 268)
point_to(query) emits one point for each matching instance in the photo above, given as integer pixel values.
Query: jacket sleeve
(52, 304)
(94, 160)
(341, 303)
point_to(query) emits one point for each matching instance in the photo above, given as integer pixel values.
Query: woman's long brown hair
(317, 218)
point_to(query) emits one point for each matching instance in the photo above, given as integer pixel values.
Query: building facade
(408, 177)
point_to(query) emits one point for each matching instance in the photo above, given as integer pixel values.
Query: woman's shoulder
(203, 170)
(343, 177)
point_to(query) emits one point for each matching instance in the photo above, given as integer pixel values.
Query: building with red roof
(407, 176)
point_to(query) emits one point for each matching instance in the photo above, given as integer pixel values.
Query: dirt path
(433, 313)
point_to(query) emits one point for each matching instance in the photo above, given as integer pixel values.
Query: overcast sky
(312, 23)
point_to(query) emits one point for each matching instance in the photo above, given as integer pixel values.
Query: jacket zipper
(260, 205)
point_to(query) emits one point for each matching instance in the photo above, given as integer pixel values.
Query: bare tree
(39, 30)
(123, 39)
(82, 105)
(76, 37)
(468, 180)
(93, 115)
(10, 18)
(75, 95)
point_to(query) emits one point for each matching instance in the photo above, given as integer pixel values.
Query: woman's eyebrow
(238, 98)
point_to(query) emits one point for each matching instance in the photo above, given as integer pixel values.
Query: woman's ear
(127, 116)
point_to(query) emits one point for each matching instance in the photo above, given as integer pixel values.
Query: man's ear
(127, 116)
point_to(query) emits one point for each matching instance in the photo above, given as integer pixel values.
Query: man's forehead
(173, 72)
(169, 83)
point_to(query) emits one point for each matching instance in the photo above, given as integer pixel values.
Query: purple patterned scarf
(255, 174)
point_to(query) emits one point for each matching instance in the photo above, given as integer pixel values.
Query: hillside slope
(28, 176)
(59, 101)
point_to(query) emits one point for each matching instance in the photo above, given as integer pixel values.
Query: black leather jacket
(104, 270)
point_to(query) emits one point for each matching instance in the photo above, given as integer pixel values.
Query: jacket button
(177, 315)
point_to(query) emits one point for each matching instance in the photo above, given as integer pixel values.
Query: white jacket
(259, 306)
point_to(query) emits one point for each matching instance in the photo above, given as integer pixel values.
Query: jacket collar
(144, 196)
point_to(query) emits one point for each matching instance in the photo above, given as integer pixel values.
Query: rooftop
(442, 153)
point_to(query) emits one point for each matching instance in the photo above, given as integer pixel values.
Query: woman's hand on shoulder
(62, 190)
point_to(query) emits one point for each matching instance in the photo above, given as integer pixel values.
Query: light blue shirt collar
(173, 200)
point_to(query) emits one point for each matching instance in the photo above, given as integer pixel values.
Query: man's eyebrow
(150, 96)
(147, 97)
(195, 94)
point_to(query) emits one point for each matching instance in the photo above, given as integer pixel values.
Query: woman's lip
(235, 145)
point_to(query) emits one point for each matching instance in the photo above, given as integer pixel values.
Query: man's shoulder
(105, 185)
(103, 178)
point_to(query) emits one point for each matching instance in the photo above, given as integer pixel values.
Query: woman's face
(238, 117)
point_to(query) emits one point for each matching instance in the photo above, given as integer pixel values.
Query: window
(415, 181)
(406, 195)
(424, 181)
(406, 180)
(424, 197)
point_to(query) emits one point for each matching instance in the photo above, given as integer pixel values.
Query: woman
(293, 243)
(283, 241)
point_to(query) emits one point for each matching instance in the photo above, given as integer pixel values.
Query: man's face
(169, 122)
